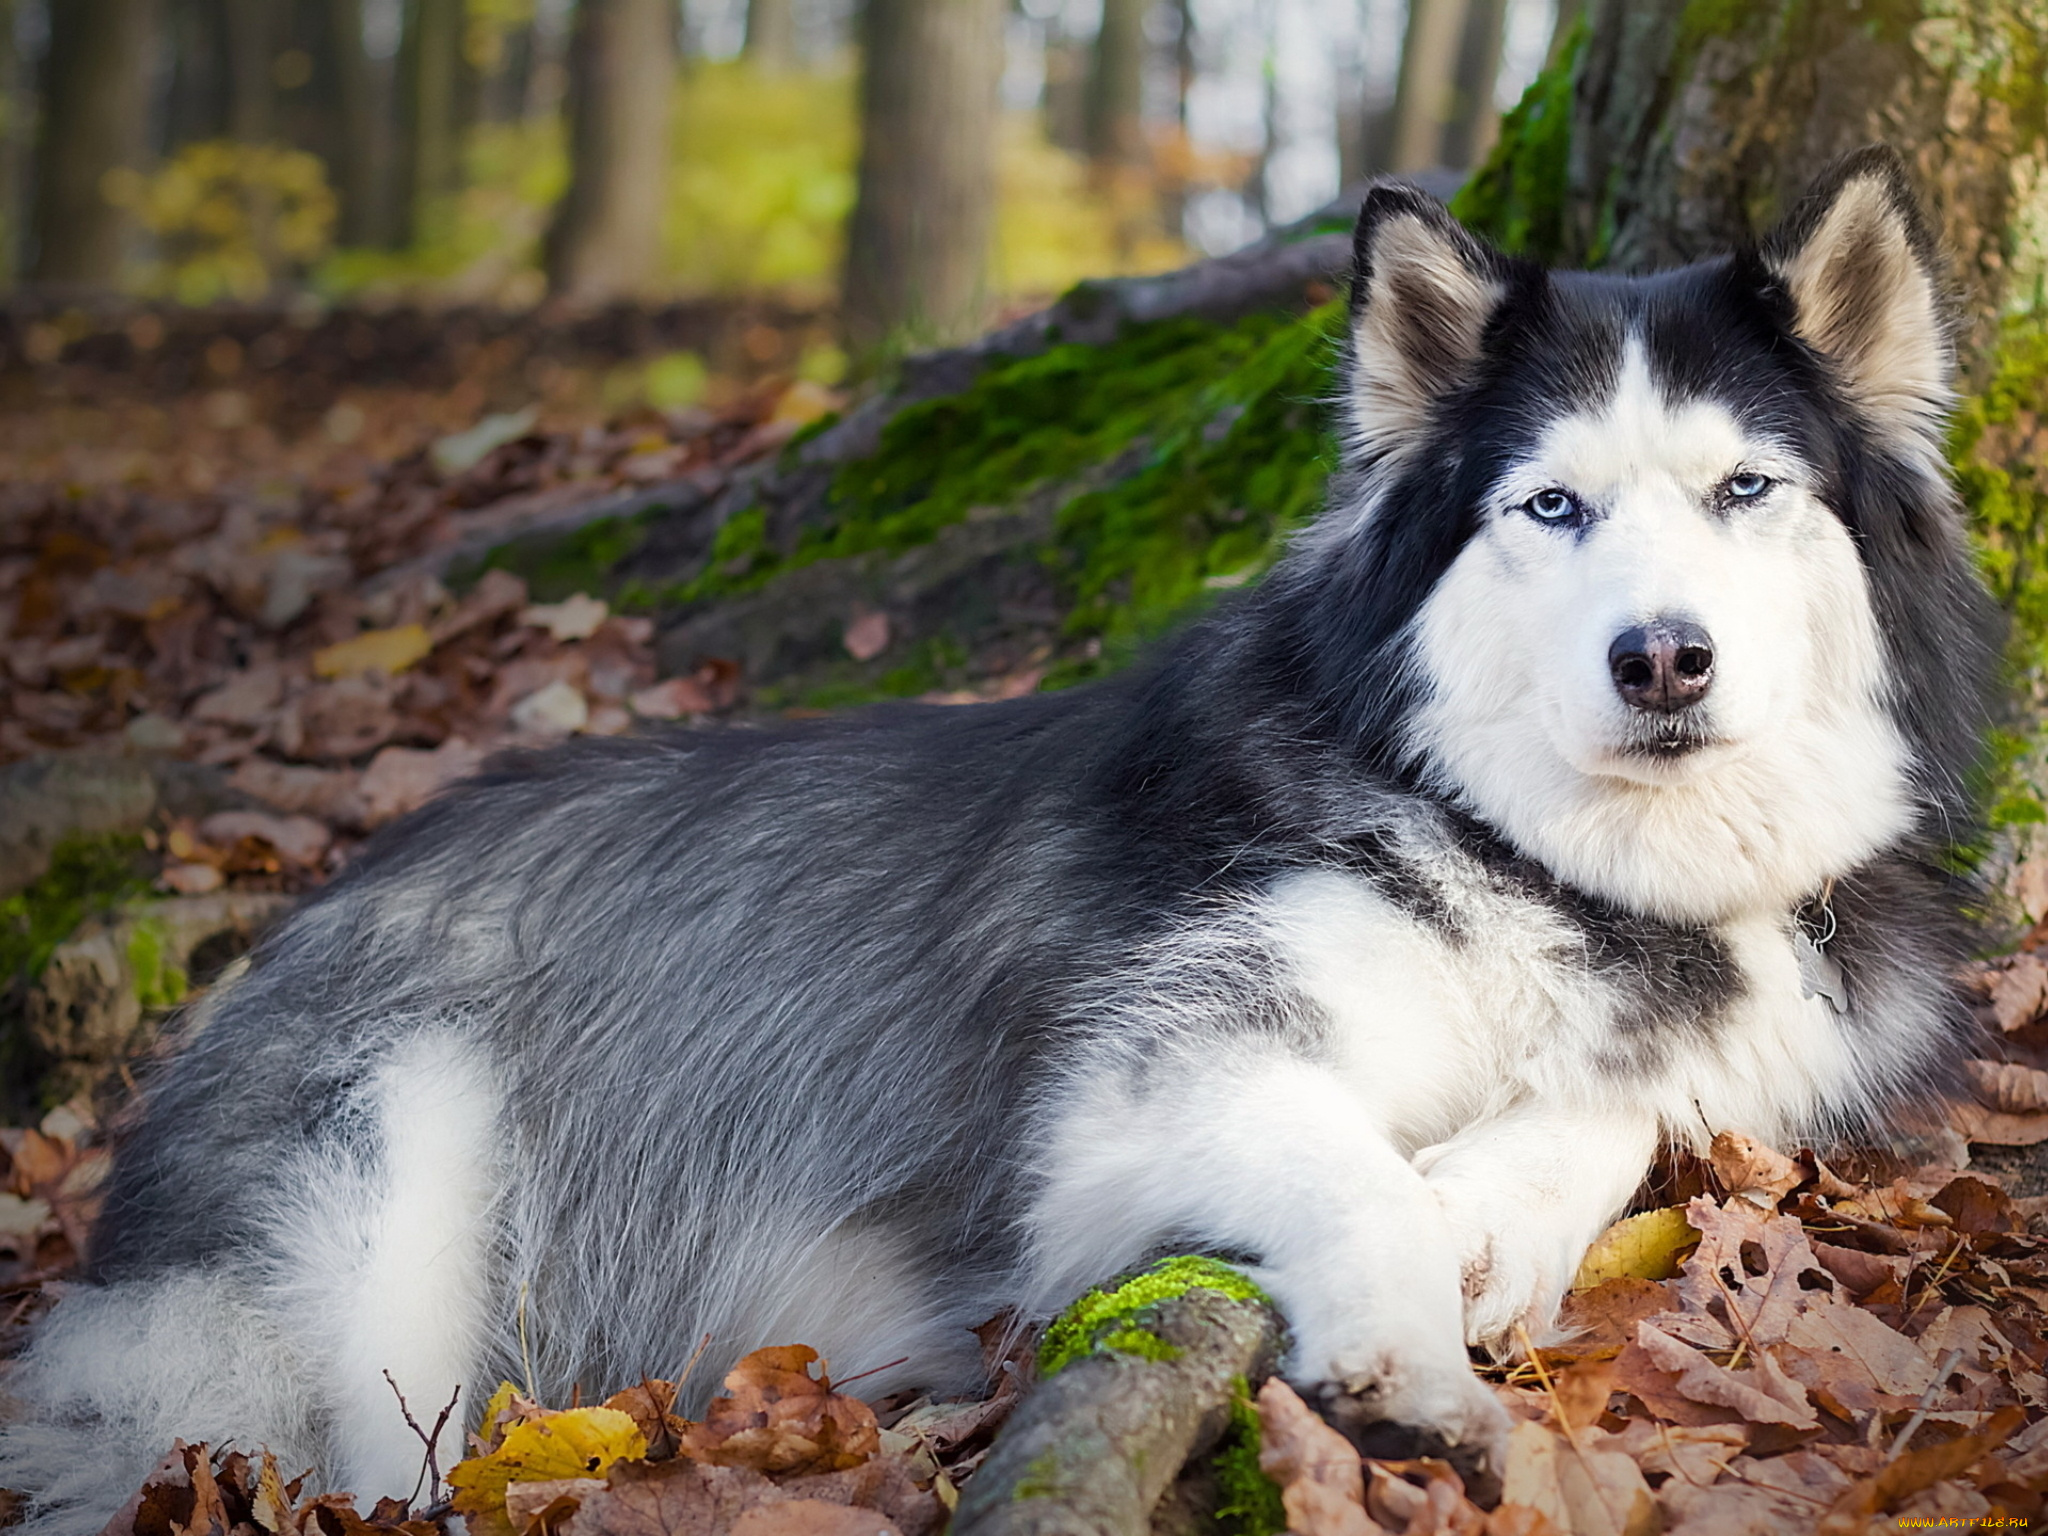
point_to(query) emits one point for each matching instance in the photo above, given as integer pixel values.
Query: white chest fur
(1441, 1020)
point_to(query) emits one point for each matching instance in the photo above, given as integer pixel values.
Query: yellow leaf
(1644, 1247)
(583, 1442)
(378, 650)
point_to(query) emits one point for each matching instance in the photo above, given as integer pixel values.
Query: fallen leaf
(2018, 985)
(811, 1517)
(1603, 1319)
(574, 618)
(577, 1443)
(1641, 1247)
(1322, 1480)
(401, 779)
(1764, 1394)
(1978, 1124)
(867, 635)
(1584, 1489)
(1758, 1173)
(2008, 1087)
(779, 1418)
(1917, 1469)
(547, 1502)
(300, 839)
(192, 879)
(389, 651)
(559, 709)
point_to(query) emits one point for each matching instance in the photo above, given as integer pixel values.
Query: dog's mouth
(1670, 738)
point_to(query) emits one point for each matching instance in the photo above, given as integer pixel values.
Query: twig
(874, 1371)
(430, 1470)
(1949, 1362)
(691, 1364)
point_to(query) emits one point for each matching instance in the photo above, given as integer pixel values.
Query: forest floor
(235, 647)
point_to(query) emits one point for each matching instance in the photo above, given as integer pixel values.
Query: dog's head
(1662, 576)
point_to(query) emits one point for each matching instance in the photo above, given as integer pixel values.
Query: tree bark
(252, 31)
(1423, 100)
(1475, 121)
(1091, 1450)
(917, 244)
(771, 35)
(359, 143)
(15, 116)
(1116, 85)
(94, 123)
(606, 238)
(1684, 140)
(430, 151)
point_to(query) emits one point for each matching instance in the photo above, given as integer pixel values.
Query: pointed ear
(1422, 292)
(1864, 280)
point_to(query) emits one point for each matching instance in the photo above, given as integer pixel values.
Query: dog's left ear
(1861, 271)
(1422, 294)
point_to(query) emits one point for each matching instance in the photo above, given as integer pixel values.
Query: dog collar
(1813, 926)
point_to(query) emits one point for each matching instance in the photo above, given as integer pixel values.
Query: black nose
(1664, 665)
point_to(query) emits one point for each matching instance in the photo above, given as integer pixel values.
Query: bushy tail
(117, 1373)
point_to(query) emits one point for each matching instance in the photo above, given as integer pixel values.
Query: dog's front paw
(1513, 1266)
(1463, 1425)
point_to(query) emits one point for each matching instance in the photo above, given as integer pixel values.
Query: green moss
(1248, 1501)
(1517, 199)
(1113, 1317)
(559, 565)
(1998, 468)
(159, 982)
(86, 875)
(1175, 456)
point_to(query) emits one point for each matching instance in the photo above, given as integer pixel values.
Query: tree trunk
(95, 123)
(1116, 86)
(606, 238)
(771, 35)
(1424, 98)
(917, 244)
(430, 152)
(252, 34)
(15, 116)
(1475, 122)
(359, 142)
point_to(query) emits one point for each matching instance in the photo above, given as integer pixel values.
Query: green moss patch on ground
(1248, 1501)
(1114, 1317)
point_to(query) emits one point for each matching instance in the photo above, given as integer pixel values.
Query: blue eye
(1551, 506)
(1747, 486)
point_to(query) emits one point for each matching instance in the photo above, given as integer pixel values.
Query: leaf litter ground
(1775, 1343)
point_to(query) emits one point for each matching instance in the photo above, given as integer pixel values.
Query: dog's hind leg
(388, 1268)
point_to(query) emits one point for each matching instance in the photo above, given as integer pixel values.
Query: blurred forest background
(500, 151)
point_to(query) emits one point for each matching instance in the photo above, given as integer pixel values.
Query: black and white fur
(1370, 930)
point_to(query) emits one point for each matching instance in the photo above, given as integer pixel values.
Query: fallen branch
(1093, 1448)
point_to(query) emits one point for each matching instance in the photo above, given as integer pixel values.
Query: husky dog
(1582, 778)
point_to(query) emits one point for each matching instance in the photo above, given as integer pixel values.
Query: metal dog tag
(1819, 976)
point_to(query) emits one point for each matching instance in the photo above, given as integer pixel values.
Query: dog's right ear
(1422, 293)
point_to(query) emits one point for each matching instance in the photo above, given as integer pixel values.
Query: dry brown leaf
(548, 1502)
(300, 839)
(1434, 1506)
(670, 1498)
(1582, 1486)
(1763, 1394)
(1322, 1480)
(1918, 1469)
(1756, 1172)
(1975, 1123)
(811, 1517)
(401, 779)
(2008, 1087)
(2018, 989)
(779, 1418)
(1603, 1320)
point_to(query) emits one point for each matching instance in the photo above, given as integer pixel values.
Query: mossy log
(1141, 1382)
